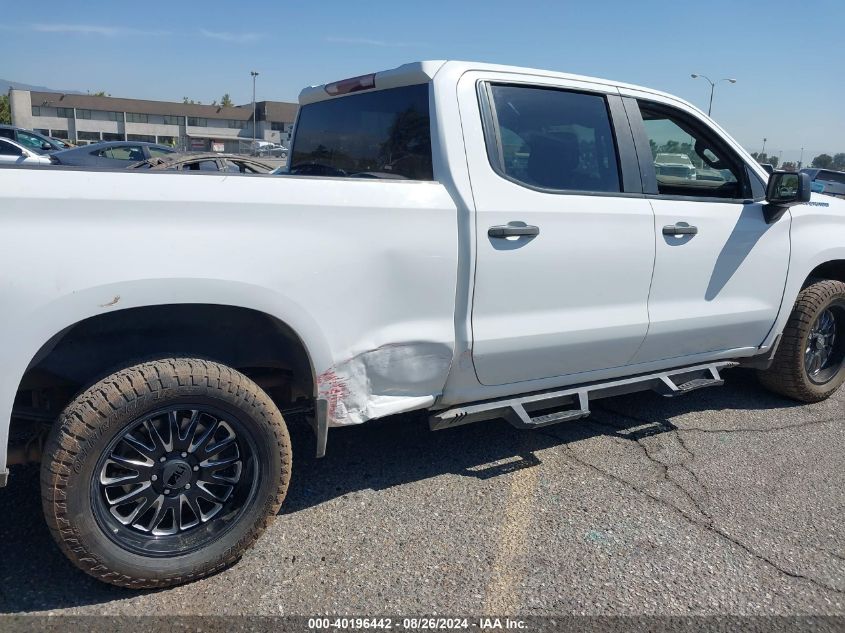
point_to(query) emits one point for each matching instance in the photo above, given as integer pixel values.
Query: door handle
(679, 229)
(509, 230)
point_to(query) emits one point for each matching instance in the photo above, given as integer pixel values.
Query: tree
(226, 101)
(839, 161)
(5, 111)
(773, 161)
(191, 101)
(789, 166)
(823, 161)
(101, 93)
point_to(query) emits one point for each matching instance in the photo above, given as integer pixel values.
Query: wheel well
(834, 269)
(255, 343)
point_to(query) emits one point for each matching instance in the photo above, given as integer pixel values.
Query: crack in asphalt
(709, 522)
(663, 466)
(696, 429)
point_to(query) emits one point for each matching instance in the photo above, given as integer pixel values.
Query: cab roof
(425, 71)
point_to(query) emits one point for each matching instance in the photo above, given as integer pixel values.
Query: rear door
(720, 268)
(565, 239)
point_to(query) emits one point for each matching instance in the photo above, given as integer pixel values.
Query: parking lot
(727, 501)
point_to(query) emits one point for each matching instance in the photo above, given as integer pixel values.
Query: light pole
(801, 160)
(712, 88)
(254, 122)
(763, 151)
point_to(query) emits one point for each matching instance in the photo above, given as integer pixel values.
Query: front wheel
(810, 362)
(164, 472)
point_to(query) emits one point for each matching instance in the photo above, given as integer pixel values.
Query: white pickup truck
(479, 241)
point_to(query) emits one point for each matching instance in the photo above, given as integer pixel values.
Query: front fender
(817, 237)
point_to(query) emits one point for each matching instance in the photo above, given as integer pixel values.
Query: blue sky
(787, 58)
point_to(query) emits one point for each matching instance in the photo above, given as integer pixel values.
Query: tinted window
(831, 176)
(554, 139)
(688, 161)
(6, 132)
(7, 149)
(159, 151)
(236, 167)
(385, 133)
(201, 165)
(129, 152)
(30, 140)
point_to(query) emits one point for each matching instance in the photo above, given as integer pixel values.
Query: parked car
(110, 154)
(171, 327)
(230, 163)
(266, 148)
(827, 181)
(31, 140)
(12, 152)
(705, 173)
(675, 165)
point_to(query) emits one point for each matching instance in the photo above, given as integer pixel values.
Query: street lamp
(763, 151)
(254, 121)
(712, 87)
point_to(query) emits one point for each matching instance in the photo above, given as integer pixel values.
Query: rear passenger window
(554, 139)
(832, 176)
(201, 165)
(125, 152)
(7, 149)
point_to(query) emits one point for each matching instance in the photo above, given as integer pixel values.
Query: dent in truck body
(390, 379)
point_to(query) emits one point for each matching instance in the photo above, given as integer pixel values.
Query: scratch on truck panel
(111, 303)
(384, 380)
(333, 388)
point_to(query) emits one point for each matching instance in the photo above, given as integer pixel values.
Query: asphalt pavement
(724, 501)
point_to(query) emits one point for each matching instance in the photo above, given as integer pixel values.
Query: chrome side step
(535, 410)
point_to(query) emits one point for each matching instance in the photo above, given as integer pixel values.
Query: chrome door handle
(508, 230)
(679, 229)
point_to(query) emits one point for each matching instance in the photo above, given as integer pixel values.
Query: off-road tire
(787, 375)
(98, 414)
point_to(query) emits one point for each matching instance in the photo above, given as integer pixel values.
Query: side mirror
(785, 189)
(46, 145)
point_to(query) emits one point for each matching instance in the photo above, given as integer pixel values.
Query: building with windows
(89, 119)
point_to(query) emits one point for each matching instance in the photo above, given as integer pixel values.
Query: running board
(543, 408)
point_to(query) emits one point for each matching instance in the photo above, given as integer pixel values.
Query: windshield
(34, 142)
(381, 134)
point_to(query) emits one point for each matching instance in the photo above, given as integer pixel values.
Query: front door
(564, 252)
(720, 268)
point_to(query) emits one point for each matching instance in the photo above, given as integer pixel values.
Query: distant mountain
(5, 84)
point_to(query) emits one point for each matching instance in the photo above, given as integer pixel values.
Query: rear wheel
(164, 472)
(810, 362)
